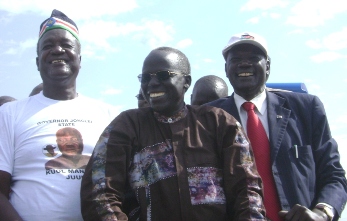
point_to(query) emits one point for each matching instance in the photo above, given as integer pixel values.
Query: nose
(58, 49)
(153, 81)
(245, 63)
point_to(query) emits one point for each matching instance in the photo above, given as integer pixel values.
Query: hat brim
(229, 47)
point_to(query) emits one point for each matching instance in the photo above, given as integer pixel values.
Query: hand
(301, 213)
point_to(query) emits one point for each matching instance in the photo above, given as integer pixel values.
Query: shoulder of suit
(286, 93)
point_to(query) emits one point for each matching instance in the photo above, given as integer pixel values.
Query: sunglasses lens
(145, 78)
(163, 75)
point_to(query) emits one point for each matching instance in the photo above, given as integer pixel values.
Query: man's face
(246, 68)
(58, 58)
(165, 97)
(70, 145)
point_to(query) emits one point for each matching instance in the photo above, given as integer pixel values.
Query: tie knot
(248, 106)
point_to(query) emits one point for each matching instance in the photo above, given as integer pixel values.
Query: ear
(37, 63)
(80, 61)
(188, 81)
(225, 69)
(267, 68)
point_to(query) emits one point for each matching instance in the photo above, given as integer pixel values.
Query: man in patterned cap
(31, 124)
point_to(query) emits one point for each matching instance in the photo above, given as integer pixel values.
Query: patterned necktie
(261, 149)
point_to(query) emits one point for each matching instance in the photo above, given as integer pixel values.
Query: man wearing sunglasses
(171, 161)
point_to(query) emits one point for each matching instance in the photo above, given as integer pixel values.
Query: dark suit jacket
(316, 176)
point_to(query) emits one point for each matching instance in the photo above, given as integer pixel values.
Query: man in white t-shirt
(46, 140)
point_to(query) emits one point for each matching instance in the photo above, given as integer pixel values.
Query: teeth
(245, 74)
(156, 94)
(58, 61)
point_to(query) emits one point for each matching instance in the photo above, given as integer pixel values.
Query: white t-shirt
(46, 177)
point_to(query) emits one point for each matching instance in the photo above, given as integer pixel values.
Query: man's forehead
(164, 55)
(160, 60)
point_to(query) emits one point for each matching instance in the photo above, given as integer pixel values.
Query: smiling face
(58, 58)
(165, 97)
(70, 142)
(247, 69)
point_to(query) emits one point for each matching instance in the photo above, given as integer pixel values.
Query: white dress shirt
(261, 110)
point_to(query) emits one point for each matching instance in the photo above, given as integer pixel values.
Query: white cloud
(312, 13)
(315, 44)
(208, 60)
(275, 15)
(334, 41)
(77, 9)
(296, 31)
(111, 91)
(11, 51)
(254, 20)
(263, 5)
(97, 34)
(312, 87)
(326, 56)
(337, 40)
(196, 67)
(342, 119)
(16, 48)
(184, 43)
(13, 63)
(154, 33)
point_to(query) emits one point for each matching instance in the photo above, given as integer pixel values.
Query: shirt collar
(172, 119)
(259, 101)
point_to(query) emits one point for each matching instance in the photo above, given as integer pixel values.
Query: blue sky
(307, 42)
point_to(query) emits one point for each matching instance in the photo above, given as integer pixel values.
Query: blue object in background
(295, 87)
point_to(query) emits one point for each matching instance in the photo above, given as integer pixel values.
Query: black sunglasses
(161, 76)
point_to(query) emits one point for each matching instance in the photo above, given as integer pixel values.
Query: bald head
(36, 89)
(5, 99)
(174, 57)
(208, 88)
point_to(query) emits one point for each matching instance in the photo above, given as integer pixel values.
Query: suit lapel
(229, 106)
(278, 117)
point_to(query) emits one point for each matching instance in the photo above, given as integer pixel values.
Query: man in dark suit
(305, 176)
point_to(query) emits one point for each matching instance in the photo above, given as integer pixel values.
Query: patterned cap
(58, 20)
(245, 38)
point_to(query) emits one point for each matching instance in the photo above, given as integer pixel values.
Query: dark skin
(7, 212)
(165, 97)
(208, 88)
(248, 70)
(301, 213)
(5, 99)
(58, 62)
(141, 102)
(36, 90)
